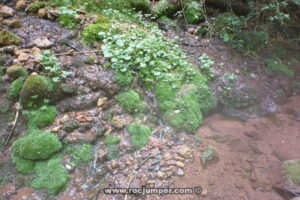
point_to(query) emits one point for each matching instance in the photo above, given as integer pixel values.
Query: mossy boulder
(50, 175)
(36, 145)
(9, 38)
(194, 12)
(209, 155)
(15, 88)
(34, 7)
(36, 89)
(112, 140)
(139, 134)
(16, 71)
(41, 117)
(130, 101)
(23, 166)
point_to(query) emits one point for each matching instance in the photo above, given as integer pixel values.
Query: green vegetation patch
(291, 171)
(15, 88)
(34, 7)
(94, 32)
(113, 152)
(82, 153)
(139, 134)
(51, 175)
(36, 145)
(23, 166)
(9, 38)
(130, 101)
(277, 66)
(112, 140)
(194, 12)
(16, 71)
(41, 117)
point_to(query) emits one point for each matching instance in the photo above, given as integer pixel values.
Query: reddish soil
(250, 156)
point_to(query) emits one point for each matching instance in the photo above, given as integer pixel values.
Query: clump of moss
(16, 71)
(51, 175)
(194, 12)
(9, 38)
(101, 19)
(23, 166)
(41, 117)
(113, 152)
(130, 101)
(36, 89)
(139, 134)
(124, 79)
(112, 140)
(36, 145)
(15, 88)
(82, 154)
(92, 33)
(291, 171)
(34, 7)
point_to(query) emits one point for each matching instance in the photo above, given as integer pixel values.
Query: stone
(42, 13)
(155, 142)
(102, 101)
(43, 43)
(16, 71)
(184, 151)
(136, 183)
(209, 155)
(77, 137)
(9, 38)
(20, 5)
(167, 156)
(15, 23)
(119, 122)
(180, 172)
(23, 57)
(114, 164)
(70, 126)
(6, 11)
(160, 174)
(180, 164)
(102, 155)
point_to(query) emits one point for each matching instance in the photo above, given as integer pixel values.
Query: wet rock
(102, 155)
(180, 172)
(184, 151)
(15, 23)
(79, 102)
(119, 122)
(77, 137)
(160, 174)
(9, 38)
(136, 183)
(15, 71)
(20, 5)
(6, 11)
(70, 126)
(43, 42)
(209, 155)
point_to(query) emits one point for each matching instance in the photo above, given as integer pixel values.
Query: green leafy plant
(139, 134)
(52, 67)
(68, 17)
(194, 12)
(206, 64)
(275, 12)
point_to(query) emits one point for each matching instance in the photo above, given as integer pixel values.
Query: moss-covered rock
(9, 38)
(194, 12)
(139, 134)
(36, 89)
(92, 33)
(14, 90)
(130, 101)
(36, 145)
(16, 71)
(112, 140)
(209, 155)
(82, 154)
(41, 117)
(34, 7)
(23, 166)
(113, 152)
(50, 175)
(124, 79)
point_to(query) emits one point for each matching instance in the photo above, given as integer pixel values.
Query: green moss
(124, 79)
(164, 8)
(112, 140)
(82, 154)
(15, 88)
(36, 89)
(130, 101)
(41, 117)
(291, 171)
(36, 145)
(4, 109)
(142, 5)
(34, 7)
(116, 4)
(209, 155)
(91, 33)
(165, 91)
(51, 175)
(23, 166)
(16, 71)
(139, 134)
(9, 38)
(113, 152)
(102, 20)
(193, 12)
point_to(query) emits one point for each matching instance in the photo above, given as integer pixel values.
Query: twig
(145, 159)
(71, 53)
(129, 182)
(14, 125)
